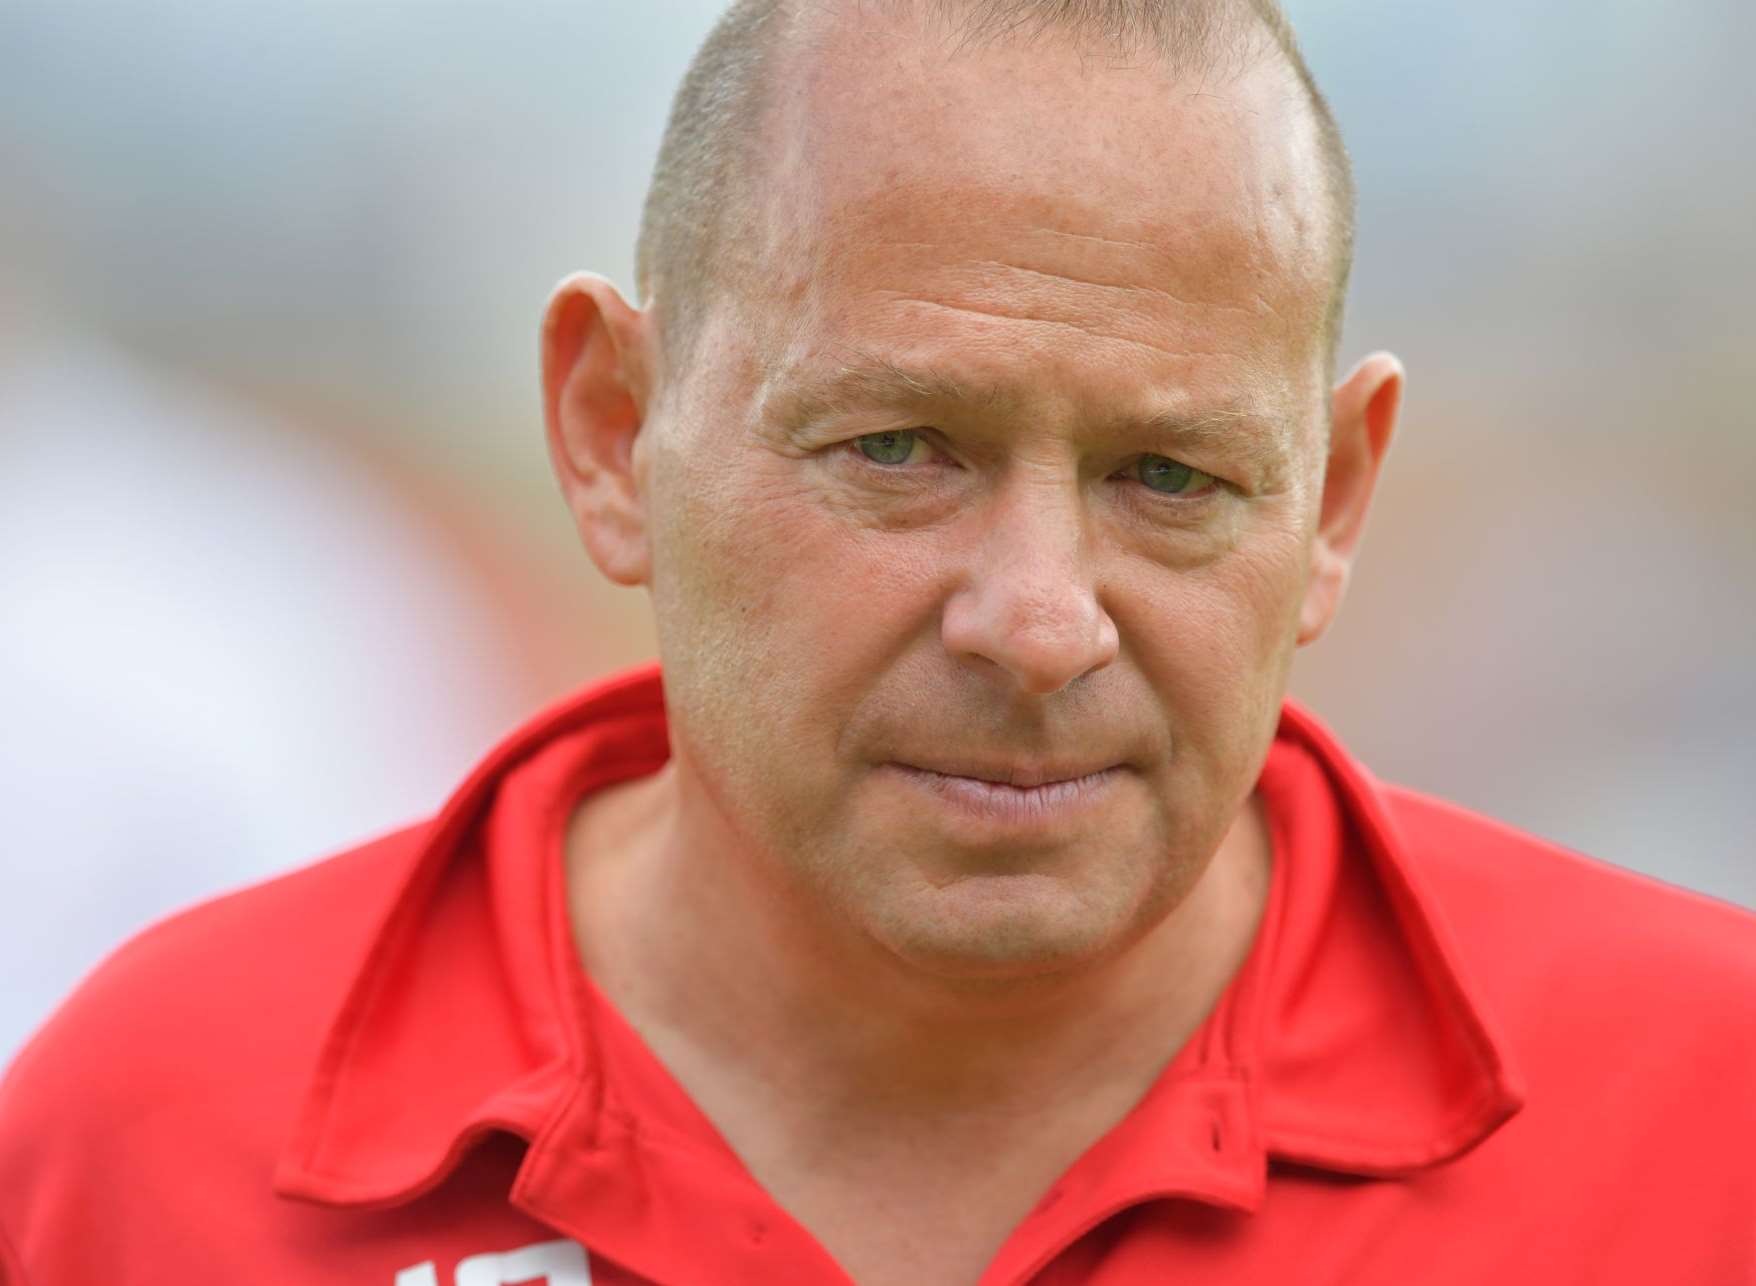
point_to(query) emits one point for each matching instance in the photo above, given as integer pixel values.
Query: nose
(1029, 603)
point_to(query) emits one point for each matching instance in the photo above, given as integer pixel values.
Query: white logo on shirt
(556, 1263)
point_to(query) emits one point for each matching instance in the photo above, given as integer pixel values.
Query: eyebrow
(1262, 441)
(874, 381)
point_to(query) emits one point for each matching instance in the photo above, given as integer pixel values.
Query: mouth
(1013, 795)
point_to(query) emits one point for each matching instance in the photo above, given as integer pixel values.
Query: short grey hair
(698, 182)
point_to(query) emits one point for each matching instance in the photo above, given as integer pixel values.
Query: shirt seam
(11, 1259)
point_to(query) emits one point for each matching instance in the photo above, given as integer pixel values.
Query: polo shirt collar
(1369, 1044)
(1351, 1040)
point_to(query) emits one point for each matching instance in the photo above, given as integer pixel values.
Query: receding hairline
(700, 186)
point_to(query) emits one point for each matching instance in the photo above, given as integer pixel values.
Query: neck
(725, 975)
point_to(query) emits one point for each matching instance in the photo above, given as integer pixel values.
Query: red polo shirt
(1455, 1054)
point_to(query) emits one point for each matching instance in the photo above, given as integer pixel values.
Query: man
(968, 907)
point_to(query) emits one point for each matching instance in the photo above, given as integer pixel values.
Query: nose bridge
(1029, 601)
(1036, 533)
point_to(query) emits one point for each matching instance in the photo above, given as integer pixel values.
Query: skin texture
(1050, 266)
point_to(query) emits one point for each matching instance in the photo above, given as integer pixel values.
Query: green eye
(1170, 477)
(891, 447)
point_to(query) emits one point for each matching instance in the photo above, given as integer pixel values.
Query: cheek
(773, 608)
(1216, 643)
(772, 558)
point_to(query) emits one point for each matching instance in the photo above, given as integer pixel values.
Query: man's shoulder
(221, 1007)
(1537, 920)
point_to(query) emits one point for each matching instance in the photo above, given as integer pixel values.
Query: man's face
(1007, 467)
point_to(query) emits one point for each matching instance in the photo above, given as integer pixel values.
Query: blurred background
(280, 555)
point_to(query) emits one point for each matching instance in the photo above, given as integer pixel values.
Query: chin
(999, 927)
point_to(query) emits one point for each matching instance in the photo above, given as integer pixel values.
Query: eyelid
(922, 434)
(1213, 482)
(929, 437)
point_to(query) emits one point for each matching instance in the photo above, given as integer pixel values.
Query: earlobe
(595, 393)
(1363, 417)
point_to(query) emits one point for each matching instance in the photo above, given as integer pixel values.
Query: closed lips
(1017, 776)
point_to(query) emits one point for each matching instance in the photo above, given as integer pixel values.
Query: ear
(1363, 415)
(596, 389)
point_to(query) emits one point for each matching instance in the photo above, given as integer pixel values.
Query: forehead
(1034, 206)
(869, 103)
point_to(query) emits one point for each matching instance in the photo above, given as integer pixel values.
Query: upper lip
(1021, 773)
